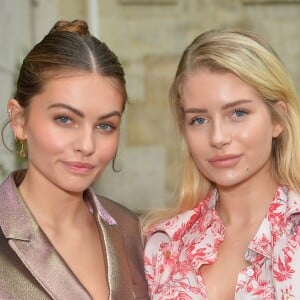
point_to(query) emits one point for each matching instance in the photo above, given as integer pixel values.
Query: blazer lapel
(119, 278)
(34, 249)
(117, 268)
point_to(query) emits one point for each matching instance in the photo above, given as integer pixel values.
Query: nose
(220, 134)
(85, 142)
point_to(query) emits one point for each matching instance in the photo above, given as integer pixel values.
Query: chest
(84, 253)
(228, 264)
(226, 270)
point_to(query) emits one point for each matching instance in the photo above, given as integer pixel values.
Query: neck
(51, 206)
(247, 202)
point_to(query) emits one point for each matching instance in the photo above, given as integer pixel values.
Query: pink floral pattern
(176, 249)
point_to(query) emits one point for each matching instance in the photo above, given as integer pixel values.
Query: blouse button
(287, 297)
(250, 272)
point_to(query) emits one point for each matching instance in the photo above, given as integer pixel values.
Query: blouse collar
(285, 200)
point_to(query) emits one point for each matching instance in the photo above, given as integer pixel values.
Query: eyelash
(194, 121)
(62, 118)
(68, 121)
(240, 111)
(237, 113)
(108, 127)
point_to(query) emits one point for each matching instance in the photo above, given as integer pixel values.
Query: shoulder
(156, 245)
(127, 220)
(174, 228)
(179, 225)
(167, 236)
(120, 213)
(293, 203)
(128, 224)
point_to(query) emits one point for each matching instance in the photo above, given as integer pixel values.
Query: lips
(225, 161)
(79, 167)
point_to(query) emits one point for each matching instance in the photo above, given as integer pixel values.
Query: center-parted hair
(67, 49)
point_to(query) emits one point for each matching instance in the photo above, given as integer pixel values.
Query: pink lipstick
(79, 167)
(224, 161)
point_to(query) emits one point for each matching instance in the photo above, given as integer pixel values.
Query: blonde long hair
(248, 56)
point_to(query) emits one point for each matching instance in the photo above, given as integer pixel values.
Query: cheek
(258, 135)
(256, 142)
(46, 141)
(197, 146)
(107, 148)
(190, 141)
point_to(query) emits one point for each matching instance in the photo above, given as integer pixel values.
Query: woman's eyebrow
(224, 107)
(111, 114)
(66, 106)
(235, 103)
(81, 114)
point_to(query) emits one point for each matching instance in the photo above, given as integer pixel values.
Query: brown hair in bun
(68, 48)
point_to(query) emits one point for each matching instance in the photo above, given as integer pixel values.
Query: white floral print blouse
(176, 249)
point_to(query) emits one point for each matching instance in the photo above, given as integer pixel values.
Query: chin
(74, 189)
(229, 184)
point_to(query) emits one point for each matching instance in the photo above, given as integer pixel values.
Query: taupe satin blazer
(30, 268)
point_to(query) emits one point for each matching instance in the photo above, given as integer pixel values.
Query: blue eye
(64, 120)
(240, 113)
(106, 127)
(198, 121)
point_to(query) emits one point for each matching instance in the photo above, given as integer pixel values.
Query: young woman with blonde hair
(235, 232)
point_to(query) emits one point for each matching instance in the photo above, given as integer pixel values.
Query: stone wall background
(149, 37)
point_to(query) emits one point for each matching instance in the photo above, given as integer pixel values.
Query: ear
(17, 117)
(278, 127)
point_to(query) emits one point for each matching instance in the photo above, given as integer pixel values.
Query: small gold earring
(20, 144)
(22, 151)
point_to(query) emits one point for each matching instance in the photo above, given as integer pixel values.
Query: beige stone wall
(149, 36)
(14, 20)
